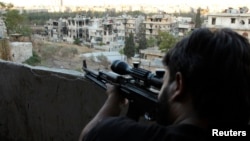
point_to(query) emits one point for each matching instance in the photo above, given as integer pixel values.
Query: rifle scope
(149, 78)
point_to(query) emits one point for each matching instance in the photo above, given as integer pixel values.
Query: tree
(77, 41)
(166, 41)
(198, 18)
(151, 41)
(16, 23)
(33, 60)
(141, 37)
(13, 20)
(129, 49)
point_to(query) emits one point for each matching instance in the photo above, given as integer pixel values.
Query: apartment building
(185, 25)
(130, 25)
(78, 28)
(56, 29)
(238, 20)
(68, 29)
(160, 22)
(111, 31)
(106, 30)
(120, 27)
(95, 31)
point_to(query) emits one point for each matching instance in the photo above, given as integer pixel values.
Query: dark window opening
(232, 20)
(213, 21)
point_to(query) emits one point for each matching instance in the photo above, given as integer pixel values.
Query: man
(205, 94)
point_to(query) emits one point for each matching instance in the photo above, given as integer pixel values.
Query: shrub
(33, 60)
(77, 41)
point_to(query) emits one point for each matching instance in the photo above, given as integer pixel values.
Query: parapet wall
(42, 104)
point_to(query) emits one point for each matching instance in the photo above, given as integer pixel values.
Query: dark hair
(216, 72)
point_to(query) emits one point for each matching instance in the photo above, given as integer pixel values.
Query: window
(242, 22)
(233, 20)
(151, 31)
(213, 21)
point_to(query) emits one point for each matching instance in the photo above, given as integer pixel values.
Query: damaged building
(236, 19)
(110, 32)
(160, 22)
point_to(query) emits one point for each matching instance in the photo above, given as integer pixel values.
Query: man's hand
(112, 107)
(115, 97)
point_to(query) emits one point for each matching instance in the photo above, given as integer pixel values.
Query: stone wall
(20, 51)
(42, 104)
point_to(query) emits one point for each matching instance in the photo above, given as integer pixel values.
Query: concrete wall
(41, 104)
(20, 51)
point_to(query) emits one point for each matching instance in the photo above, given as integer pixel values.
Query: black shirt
(124, 129)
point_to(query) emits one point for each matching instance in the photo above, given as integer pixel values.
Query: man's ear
(177, 88)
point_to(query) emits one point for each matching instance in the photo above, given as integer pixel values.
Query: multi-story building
(120, 27)
(56, 29)
(129, 25)
(95, 31)
(51, 28)
(238, 20)
(185, 25)
(78, 28)
(111, 31)
(108, 30)
(160, 22)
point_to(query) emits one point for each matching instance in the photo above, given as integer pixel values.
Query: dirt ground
(67, 56)
(62, 55)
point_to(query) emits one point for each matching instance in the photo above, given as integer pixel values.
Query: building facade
(112, 31)
(231, 18)
(185, 25)
(78, 28)
(160, 22)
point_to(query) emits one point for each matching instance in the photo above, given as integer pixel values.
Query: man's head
(210, 69)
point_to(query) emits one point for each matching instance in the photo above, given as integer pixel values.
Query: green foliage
(129, 49)
(166, 41)
(13, 20)
(16, 23)
(135, 13)
(101, 44)
(141, 36)
(151, 42)
(77, 41)
(25, 30)
(41, 17)
(121, 51)
(198, 18)
(33, 60)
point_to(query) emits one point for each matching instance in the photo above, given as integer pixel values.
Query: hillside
(61, 55)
